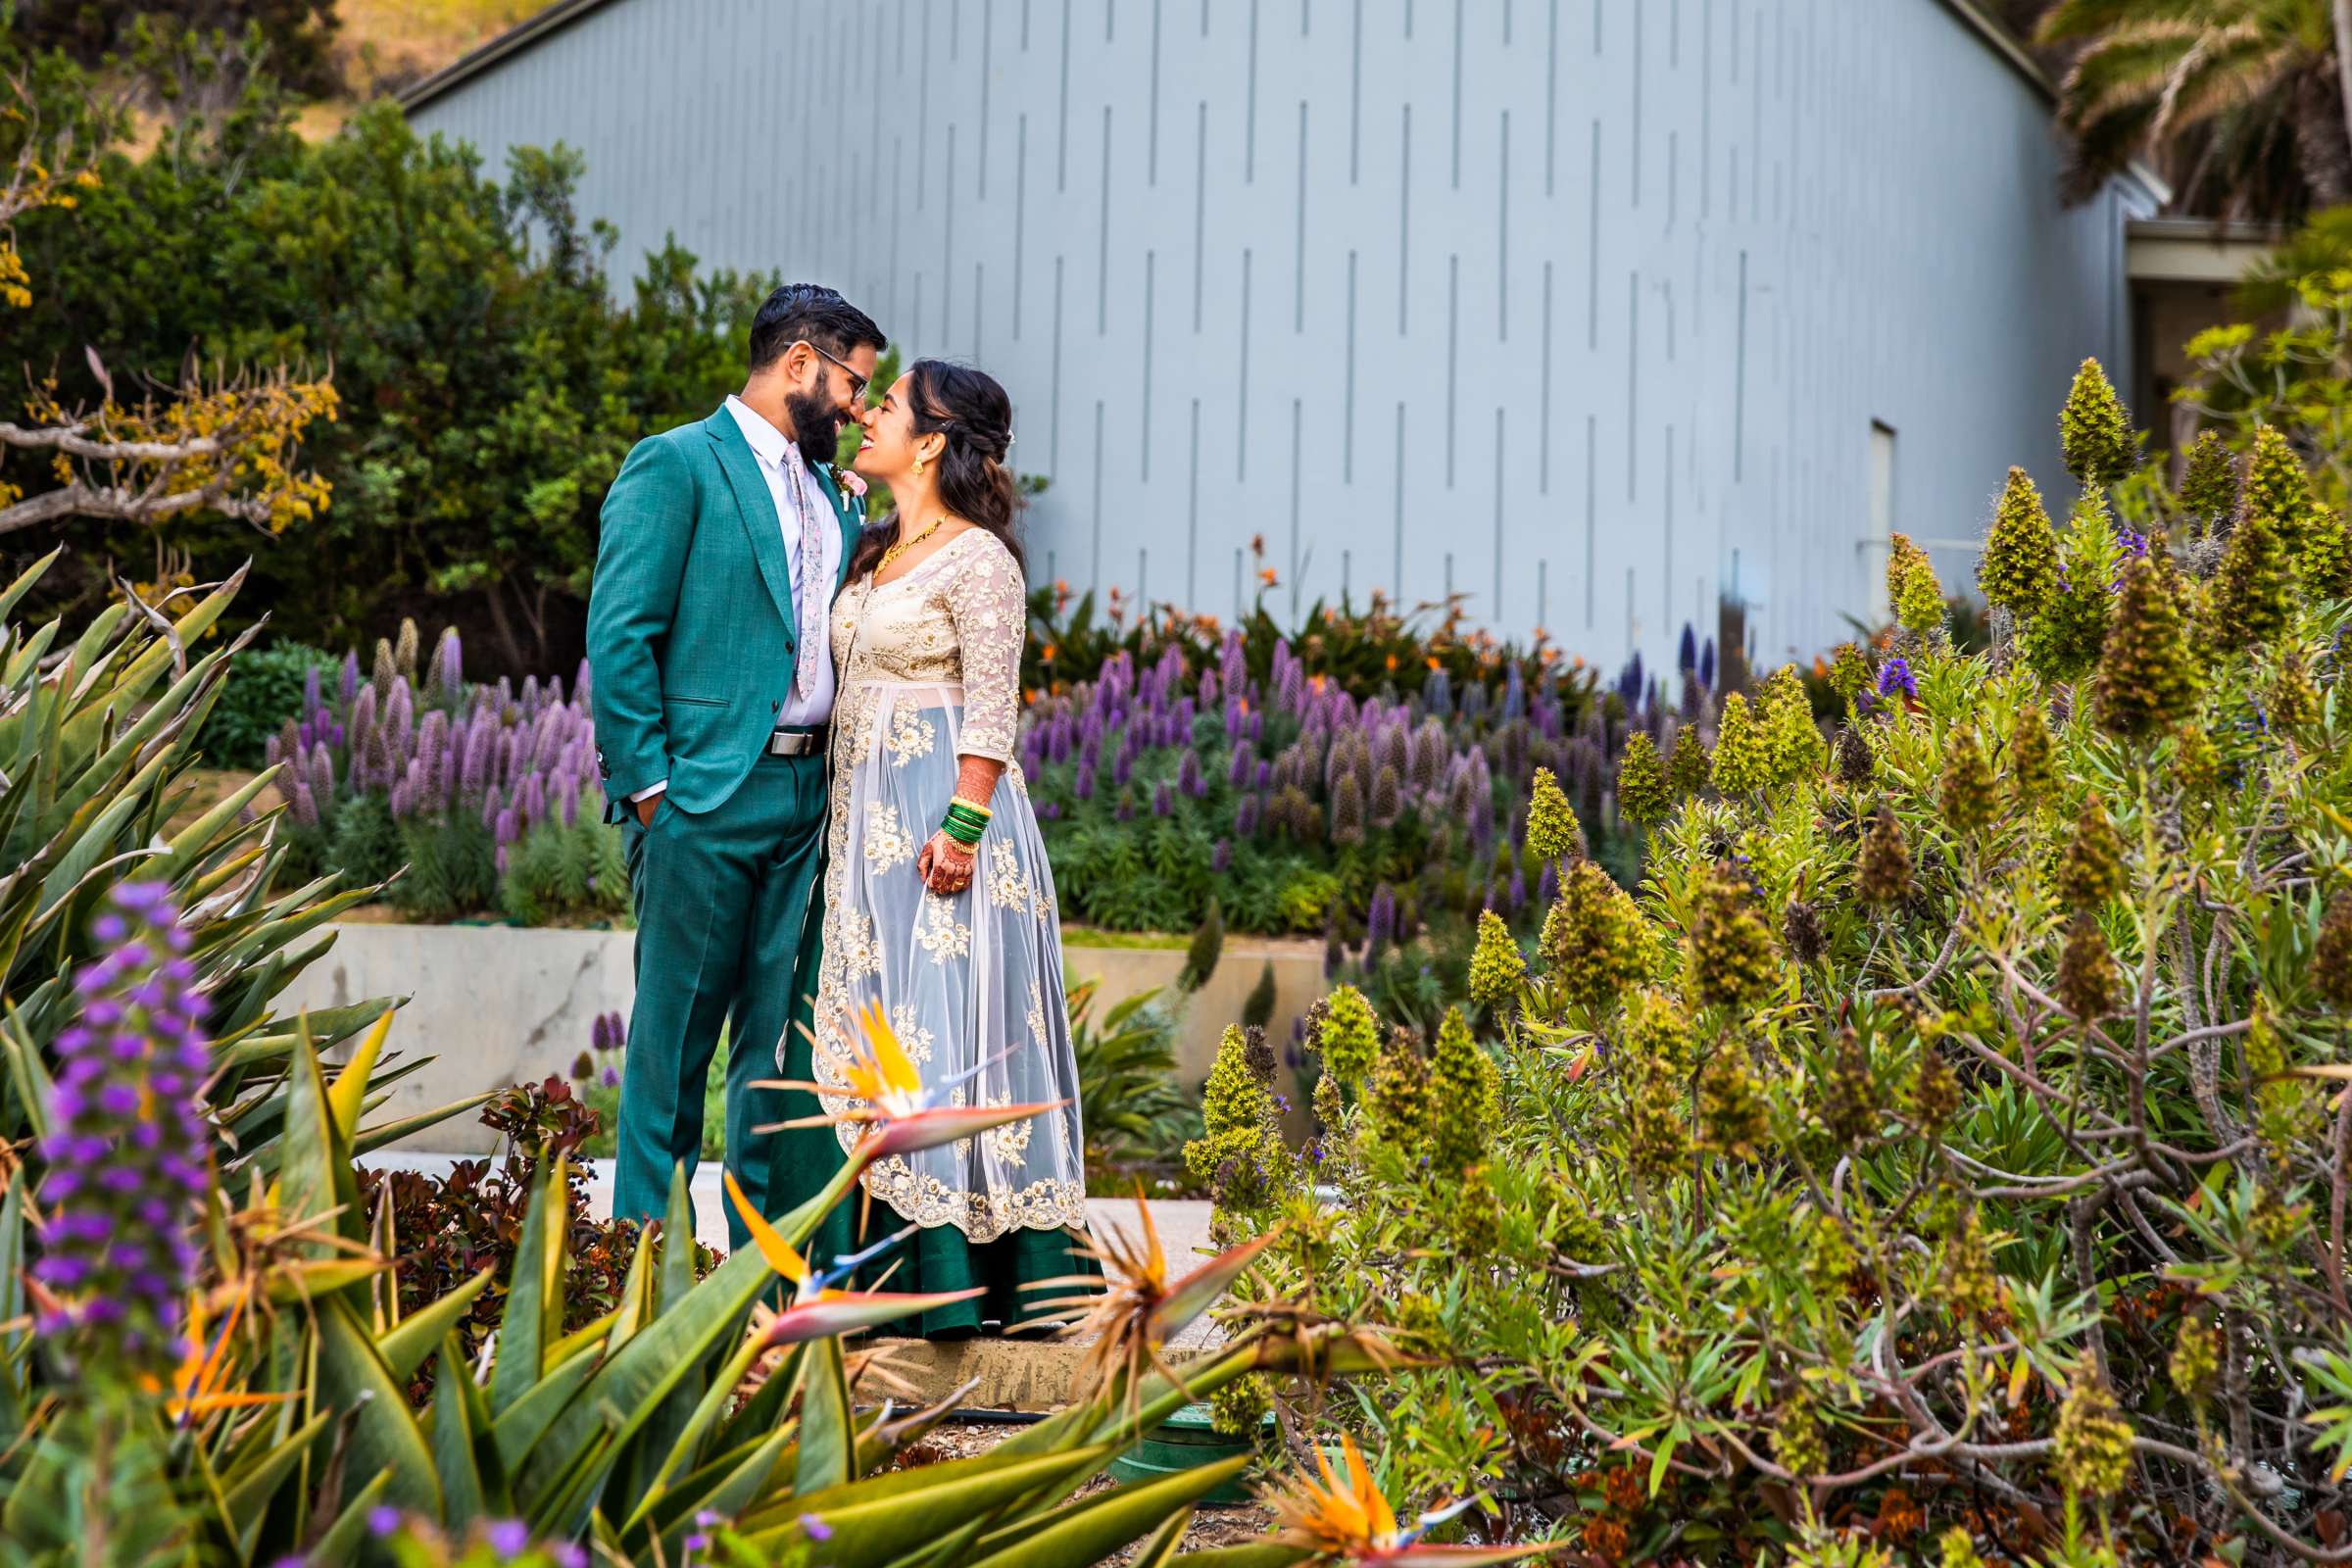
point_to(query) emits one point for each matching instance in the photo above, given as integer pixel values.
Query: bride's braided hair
(970, 409)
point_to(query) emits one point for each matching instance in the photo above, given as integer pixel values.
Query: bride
(939, 903)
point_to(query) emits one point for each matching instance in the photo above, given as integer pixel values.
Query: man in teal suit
(722, 545)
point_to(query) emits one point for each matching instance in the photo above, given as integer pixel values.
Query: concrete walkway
(1007, 1374)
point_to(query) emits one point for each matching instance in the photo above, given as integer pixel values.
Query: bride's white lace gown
(929, 669)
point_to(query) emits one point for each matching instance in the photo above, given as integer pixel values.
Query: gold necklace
(892, 554)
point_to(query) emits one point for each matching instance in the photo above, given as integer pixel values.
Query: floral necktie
(808, 594)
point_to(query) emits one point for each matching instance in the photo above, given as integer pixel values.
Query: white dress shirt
(786, 474)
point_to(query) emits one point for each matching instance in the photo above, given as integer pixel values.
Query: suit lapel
(758, 508)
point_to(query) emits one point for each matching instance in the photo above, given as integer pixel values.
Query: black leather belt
(801, 742)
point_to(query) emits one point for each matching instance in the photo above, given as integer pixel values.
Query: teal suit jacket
(692, 630)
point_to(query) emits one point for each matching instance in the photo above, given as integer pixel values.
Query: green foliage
(2094, 434)
(2021, 1149)
(2019, 570)
(1128, 1097)
(489, 382)
(267, 692)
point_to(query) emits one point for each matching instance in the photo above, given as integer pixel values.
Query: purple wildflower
(1380, 922)
(382, 1520)
(1220, 857)
(127, 1129)
(1896, 675)
(313, 697)
(508, 1537)
(350, 687)
(1163, 798)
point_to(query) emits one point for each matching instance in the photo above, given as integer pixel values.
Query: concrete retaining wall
(495, 1005)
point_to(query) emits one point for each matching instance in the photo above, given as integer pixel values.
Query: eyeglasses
(857, 383)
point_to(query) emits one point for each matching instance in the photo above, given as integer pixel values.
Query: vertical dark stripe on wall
(1100, 454)
(1591, 506)
(1629, 606)
(917, 336)
(1348, 426)
(1355, 98)
(1666, 543)
(1496, 610)
(1397, 493)
(1632, 380)
(1707, 109)
(1200, 208)
(1020, 211)
(1674, 175)
(1250, 114)
(1506, 23)
(1740, 382)
(1502, 233)
(1755, 140)
(1457, 94)
(1110, 14)
(1241, 443)
(954, 33)
(922, 112)
(1192, 515)
(1544, 435)
(1297, 415)
(1151, 291)
(1596, 10)
(1551, 104)
(1593, 251)
(1298, 288)
(1054, 439)
(1305, 7)
(1636, 138)
(979, 318)
(1024, 26)
(1152, 143)
(1674, 36)
(1102, 237)
(1404, 218)
(1454, 344)
(988, 39)
(897, 189)
(1542, 594)
(946, 246)
(1061, 155)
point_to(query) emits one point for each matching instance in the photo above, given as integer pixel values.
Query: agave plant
(287, 1426)
(97, 744)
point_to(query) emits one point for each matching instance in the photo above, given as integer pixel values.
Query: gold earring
(918, 464)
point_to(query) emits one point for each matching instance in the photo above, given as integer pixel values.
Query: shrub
(267, 691)
(1956, 1153)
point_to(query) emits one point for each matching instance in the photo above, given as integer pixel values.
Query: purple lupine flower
(1122, 766)
(581, 685)
(1707, 665)
(126, 1145)
(567, 797)
(1686, 651)
(1188, 777)
(1246, 815)
(508, 1537)
(1896, 675)
(1380, 922)
(350, 687)
(323, 772)
(1547, 888)
(494, 804)
(1163, 798)
(507, 827)
(432, 739)
(1220, 856)
(1242, 770)
(1084, 785)
(306, 805)
(363, 721)
(1514, 693)
(314, 696)
(449, 665)
(272, 751)
(473, 772)
(533, 799)
(400, 718)
(1516, 890)
(530, 696)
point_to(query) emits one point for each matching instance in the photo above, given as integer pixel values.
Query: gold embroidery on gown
(928, 670)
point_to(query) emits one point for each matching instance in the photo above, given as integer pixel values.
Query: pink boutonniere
(849, 480)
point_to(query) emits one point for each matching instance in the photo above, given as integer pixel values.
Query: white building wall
(1632, 277)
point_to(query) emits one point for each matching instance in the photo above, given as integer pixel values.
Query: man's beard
(815, 426)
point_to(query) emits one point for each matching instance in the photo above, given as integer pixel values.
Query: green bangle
(957, 830)
(973, 820)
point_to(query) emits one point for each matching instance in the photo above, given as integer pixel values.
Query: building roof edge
(521, 36)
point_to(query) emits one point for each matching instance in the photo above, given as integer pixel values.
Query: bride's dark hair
(972, 411)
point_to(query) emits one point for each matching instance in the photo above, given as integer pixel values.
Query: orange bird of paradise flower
(1351, 1522)
(198, 1384)
(818, 1310)
(899, 1114)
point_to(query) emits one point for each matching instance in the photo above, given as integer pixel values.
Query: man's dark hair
(814, 312)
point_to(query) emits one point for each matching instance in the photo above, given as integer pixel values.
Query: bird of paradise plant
(1351, 1521)
(1140, 1309)
(818, 1309)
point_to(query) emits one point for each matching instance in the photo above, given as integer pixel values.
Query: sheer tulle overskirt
(968, 980)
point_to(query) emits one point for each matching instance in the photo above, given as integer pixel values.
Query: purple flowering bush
(465, 798)
(126, 1147)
